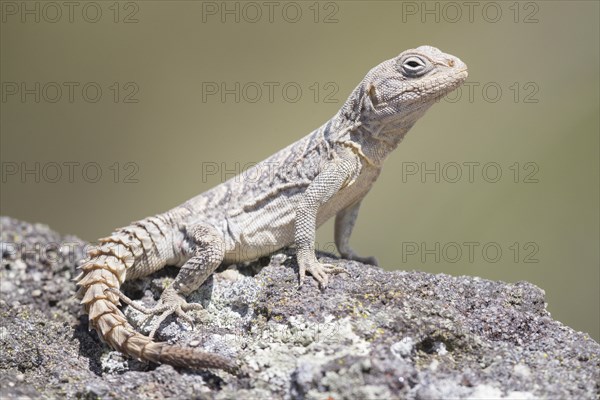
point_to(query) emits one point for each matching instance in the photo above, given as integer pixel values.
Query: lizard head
(397, 92)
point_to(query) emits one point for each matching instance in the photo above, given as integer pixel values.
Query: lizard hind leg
(206, 248)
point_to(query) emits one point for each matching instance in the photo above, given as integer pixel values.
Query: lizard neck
(372, 141)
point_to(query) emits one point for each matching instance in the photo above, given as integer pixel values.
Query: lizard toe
(170, 303)
(334, 269)
(156, 324)
(319, 272)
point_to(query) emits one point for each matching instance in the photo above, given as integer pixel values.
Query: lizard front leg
(344, 223)
(206, 247)
(336, 174)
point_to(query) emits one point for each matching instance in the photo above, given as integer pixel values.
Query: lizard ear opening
(372, 93)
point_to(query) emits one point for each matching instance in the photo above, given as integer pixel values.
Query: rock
(370, 334)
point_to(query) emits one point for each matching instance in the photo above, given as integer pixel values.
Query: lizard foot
(170, 303)
(319, 271)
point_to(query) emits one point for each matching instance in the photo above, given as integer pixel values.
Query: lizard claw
(170, 303)
(319, 271)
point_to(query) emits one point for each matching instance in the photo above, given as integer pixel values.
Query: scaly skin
(279, 202)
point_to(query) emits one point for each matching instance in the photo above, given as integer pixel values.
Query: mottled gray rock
(370, 335)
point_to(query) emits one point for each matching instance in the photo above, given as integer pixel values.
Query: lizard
(278, 202)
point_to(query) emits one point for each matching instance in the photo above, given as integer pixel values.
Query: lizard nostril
(451, 63)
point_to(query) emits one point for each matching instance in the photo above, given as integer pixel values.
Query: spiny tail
(107, 269)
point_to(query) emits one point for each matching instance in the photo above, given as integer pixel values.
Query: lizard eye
(414, 66)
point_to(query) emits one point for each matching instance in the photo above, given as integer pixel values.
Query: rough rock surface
(370, 335)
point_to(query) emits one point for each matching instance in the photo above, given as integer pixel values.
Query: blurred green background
(530, 112)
